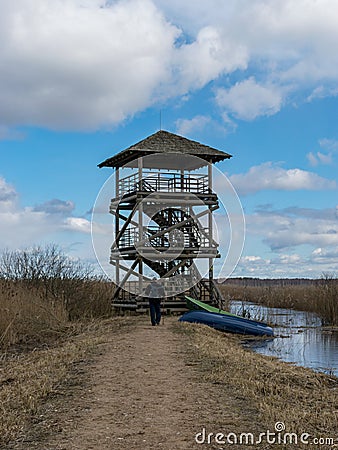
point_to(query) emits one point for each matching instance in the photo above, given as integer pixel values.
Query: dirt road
(143, 392)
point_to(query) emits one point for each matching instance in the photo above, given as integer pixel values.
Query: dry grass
(320, 298)
(27, 314)
(275, 391)
(27, 380)
(42, 289)
(40, 322)
(30, 314)
(304, 400)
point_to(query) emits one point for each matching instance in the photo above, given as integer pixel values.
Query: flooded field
(299, 337)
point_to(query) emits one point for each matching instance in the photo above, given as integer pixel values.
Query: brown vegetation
(42, 291)
(305, 401)
(50, 305)
(319, 296)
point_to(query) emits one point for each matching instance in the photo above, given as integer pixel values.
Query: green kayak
(194, 304)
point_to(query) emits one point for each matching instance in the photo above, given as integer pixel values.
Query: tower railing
(131, 236)
(160, 182)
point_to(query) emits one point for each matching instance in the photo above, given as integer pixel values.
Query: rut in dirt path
(145, 395)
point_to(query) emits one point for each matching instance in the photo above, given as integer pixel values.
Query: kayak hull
(228, 323)
(194, 304)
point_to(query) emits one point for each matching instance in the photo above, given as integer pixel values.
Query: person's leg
(158, 313)
(152, 313)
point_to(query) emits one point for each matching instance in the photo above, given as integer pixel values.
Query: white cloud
(294, 44)
(87, 64)
(288, 259)
(24, 226)
(323, 158)
(247, 100)
(312, 159)
(208, 57)
(8, 195)
(251, 259)
(187, 126)
(287, 265)
(329, 146)
(319, 158)
(279, 266)
(294, 227)
(295, 36)
(273, 176)
(297, 236)
(299, 242)
(324, 256)
(56, 206)
(68, 64)
(251, 265)
(78, 224)
(322, 92)
(230, 125)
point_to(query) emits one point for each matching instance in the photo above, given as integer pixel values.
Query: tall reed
(42, 290)
(26, 314)
(320, 297)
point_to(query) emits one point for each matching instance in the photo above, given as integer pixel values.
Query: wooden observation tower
(163, 221)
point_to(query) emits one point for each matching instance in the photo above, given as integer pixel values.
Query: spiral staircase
(163, 212)
(168, 228)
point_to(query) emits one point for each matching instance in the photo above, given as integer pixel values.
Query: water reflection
(300, 337)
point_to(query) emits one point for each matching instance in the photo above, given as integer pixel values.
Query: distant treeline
(265, 282)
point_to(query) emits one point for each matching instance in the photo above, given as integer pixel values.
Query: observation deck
(163, 214)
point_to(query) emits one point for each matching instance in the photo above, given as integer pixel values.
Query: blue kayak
(231, 324)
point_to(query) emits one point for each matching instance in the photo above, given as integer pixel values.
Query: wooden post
(182, 181)
(117, 223)
(140, 222)
(211, 270)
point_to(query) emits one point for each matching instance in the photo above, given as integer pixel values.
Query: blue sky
(83, 79)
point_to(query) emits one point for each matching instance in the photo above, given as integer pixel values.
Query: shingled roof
(165, 142)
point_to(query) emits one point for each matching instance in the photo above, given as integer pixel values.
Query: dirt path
(143, 393)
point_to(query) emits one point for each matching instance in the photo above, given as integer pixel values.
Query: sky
(81, 80)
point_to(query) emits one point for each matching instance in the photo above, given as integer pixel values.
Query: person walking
(155, 293)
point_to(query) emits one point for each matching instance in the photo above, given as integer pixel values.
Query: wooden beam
(176, 225)
(125, 268)
(127, 275)
(171, 271)
(121, 216)
(123, 229)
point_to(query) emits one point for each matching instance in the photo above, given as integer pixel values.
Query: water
(299, 337)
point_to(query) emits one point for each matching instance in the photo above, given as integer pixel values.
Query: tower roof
(166, 143)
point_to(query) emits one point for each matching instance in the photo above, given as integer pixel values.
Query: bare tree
(49, 270)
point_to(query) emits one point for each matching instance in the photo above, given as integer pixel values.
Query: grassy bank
(321, 297)
(305, 401)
